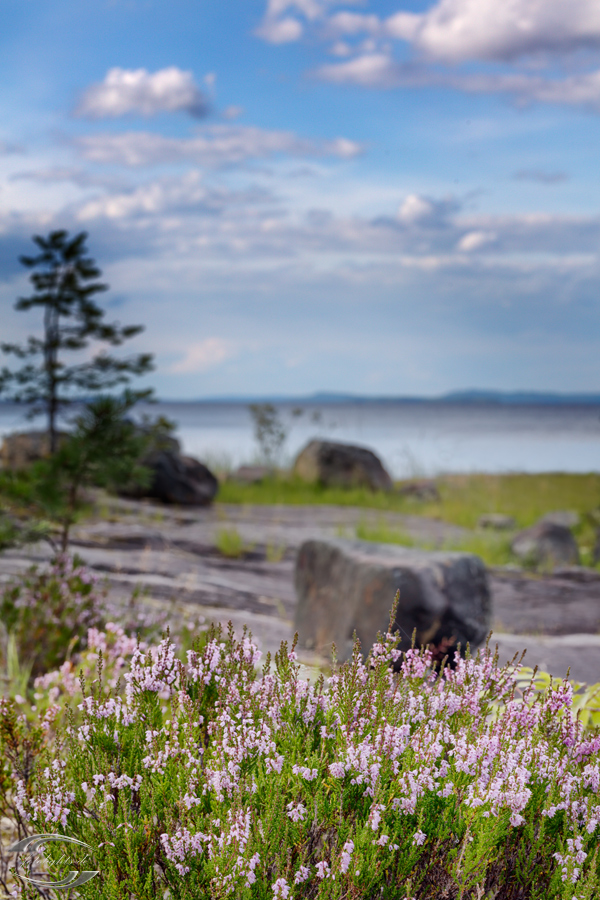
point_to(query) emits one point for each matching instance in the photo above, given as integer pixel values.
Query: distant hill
(469, 397)
(540, 398)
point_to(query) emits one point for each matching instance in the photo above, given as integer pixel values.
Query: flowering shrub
(200, 779)
(49, 611)
(48, 614)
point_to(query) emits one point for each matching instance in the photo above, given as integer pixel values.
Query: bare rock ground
(170, 554)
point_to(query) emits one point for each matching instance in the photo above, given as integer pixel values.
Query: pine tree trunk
(51, 340)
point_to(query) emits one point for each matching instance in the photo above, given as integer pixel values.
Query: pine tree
(65, 282)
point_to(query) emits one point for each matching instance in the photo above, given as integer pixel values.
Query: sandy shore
(171, 555)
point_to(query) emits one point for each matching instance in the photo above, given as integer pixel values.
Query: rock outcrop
(347, 586)
(546, 544)
(341, 465)
(22, 448)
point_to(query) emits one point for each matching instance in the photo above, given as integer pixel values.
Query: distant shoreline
(455, 398)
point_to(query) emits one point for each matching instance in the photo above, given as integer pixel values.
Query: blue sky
(380, 197)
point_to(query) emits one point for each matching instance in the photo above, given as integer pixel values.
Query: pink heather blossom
(280, 889)
(274, 765)
(347, 851)
(296, 811)
(323, 870)
(308, 774)
(419, 838)
(301, 875)
(375, 816)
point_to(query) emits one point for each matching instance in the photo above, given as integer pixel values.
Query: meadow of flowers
(200, 775)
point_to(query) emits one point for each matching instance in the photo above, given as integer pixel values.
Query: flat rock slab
(563, 603)
(348, 586)
(578, 652)
(170, 555)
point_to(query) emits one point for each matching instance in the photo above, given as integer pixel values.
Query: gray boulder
(565, 517)
(251, 474)
(497, 522)
(546, 544)
(424, 489)
(346, 586)
(341, 465)
(178, 479)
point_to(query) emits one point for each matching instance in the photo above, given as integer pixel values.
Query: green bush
(230, 543)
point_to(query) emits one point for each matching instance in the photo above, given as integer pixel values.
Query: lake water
(412, 439)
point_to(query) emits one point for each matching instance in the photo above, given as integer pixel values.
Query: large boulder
(178, 479)
(346, 586)
(22, 448)
(546, 544)
(341, 465)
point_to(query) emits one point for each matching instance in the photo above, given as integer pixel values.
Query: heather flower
(210, 778)
(296, 811)
(280, 889)
(323, 869)
(347, 851)
(301, 875)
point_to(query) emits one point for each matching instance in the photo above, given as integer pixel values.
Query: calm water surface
(411, 438)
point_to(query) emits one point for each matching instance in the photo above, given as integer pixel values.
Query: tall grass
(493, 549)
(463, 498)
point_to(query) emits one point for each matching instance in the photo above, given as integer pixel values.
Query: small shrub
(230, 543)
(274, 552)
(45, 615)
(48, 612)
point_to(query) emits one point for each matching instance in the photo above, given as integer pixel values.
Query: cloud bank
(215, 146)
(502, 41)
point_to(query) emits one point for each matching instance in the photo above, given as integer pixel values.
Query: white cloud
(126, 91)
(474, 240)
(380, 70)
(280, 31)
(454, 32)
(218, 145)
(373, 70)
(156, 197)
(415, 209)
(351, 23)
(203, 355)
(458, 30)
(282, 23)
(576, 90)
